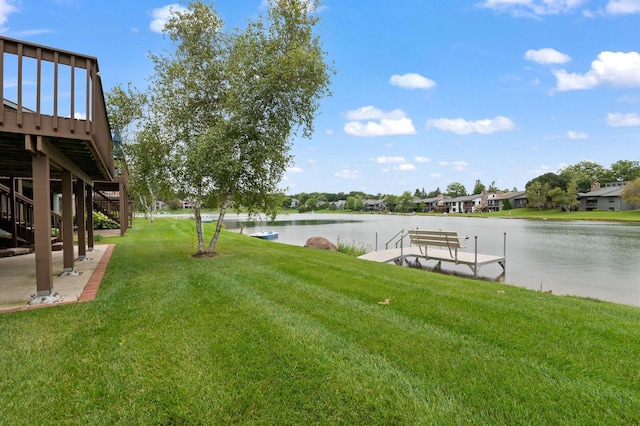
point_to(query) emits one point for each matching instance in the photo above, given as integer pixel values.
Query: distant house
(373, 205)
(464, 204)
(517, 199)
(608, 197)
(340, 204)
(434, 204)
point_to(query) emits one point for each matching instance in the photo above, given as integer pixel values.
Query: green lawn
(559, 214)
(267, 333)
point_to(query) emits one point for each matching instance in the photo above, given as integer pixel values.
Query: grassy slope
(273, 334)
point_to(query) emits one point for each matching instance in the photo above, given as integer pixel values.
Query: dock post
(504, 253)
(475, 266)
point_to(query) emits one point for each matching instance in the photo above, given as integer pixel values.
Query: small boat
(266, 235)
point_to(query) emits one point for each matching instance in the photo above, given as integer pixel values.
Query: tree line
(559, 189)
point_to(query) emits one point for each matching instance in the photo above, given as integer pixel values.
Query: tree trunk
(196, 212)
(152, 208)
(214, 239)
(144, 205)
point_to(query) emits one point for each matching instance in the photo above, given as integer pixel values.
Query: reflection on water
(589, 259)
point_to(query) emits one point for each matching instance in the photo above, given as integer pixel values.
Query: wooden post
(475, 261)
(81, 201)
(42, 213)
(67, 221)
(13, 210)
(90, 219)
(124, 206)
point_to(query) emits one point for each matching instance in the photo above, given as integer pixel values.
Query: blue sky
(426, 92)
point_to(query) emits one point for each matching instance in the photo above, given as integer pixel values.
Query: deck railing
(75, 105)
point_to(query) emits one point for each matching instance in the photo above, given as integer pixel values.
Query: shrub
(174, 204)
(102, 221)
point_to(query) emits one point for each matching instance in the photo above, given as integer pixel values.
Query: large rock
(320, 243)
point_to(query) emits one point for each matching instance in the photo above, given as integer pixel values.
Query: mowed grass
(267, 333)
(559, 214)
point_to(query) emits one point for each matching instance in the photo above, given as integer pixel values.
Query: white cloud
(623, 7)
(161, 16)
(80, 115)
(347, 174)
(577, 135)
(546, 56)
(618, 119)
(459, 165)
(412, 81)
(7, 7)
(33, 32)
(373, 113)
(464, 127)
(422, 159)
(294, 169)
(615, 69)
(532, 8)
(385, 124)
(405, 167)
(390, 160)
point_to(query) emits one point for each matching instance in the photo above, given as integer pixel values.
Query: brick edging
(91, 289)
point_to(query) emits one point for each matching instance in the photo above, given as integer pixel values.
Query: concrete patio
(18, 278)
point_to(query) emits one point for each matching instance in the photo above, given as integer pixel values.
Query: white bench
(447, 239)
(445, 246)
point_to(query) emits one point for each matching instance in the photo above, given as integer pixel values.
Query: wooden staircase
(107, 203)
(21, 224)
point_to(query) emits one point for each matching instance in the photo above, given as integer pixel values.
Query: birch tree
(144, 147)
(234, 100)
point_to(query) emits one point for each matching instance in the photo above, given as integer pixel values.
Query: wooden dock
(411, 255)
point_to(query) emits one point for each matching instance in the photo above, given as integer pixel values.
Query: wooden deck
(55, 138)
(408, 254)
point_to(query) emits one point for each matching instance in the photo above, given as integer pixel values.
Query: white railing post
(475, 266)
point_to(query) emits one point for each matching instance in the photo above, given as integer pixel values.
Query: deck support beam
(13, 208)
(124, 209)
(67, 222)
(81, 201)
(42, 221)
(90, 219)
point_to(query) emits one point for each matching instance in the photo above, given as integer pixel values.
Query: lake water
(583, 258)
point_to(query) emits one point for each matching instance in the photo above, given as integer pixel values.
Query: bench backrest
(435, 238)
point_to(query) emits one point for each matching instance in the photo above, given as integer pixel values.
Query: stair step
(14, 251)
